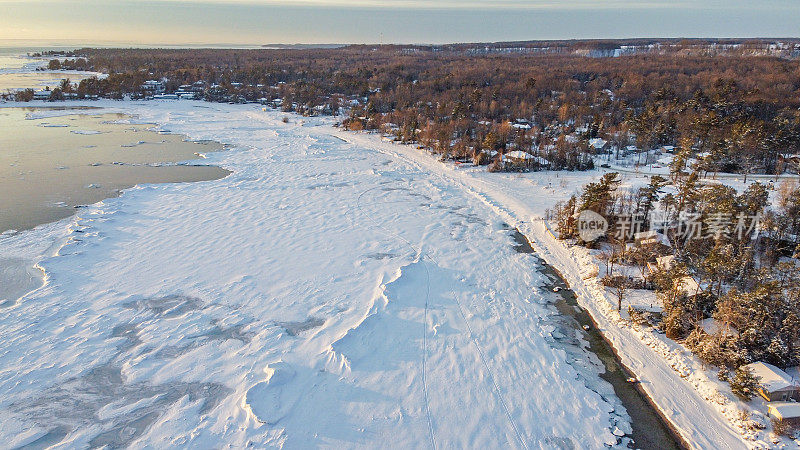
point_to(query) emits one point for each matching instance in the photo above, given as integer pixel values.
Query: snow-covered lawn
(333, 291)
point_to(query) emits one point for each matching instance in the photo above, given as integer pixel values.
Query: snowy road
(331, 292)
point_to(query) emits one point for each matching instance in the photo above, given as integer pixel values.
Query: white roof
(645, 235)
(651, 237)
(713, 326)
(667, 160)
(772, 378)
(784, 410)
(597, 142)
(688, 285)
(518, 154)
(665, 262)
(542, 161)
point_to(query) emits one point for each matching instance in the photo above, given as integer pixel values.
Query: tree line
(737, 110)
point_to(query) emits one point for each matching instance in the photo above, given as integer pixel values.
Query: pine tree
(744, 384)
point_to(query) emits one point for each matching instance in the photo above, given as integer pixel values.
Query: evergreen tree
(744, 384)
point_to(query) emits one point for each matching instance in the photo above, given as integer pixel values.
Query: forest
(732, 104)
(728, 256)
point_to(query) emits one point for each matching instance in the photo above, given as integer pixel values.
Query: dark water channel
(650, 429)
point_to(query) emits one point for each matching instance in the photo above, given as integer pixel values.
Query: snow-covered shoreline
(701, 427)
(185, 315)
(669, 375)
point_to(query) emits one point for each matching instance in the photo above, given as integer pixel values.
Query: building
(650, 237)
(599, 145)
(688, 286)
(520, 158)
(776, 385)
(790, 163)
(786, 411)
(715, 327)
(42, 95)
(154, 87)
(188, 95)
(665, 262)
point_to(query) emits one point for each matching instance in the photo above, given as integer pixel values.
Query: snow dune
(327, 293)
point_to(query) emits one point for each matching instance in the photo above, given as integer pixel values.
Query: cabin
(42, 95)
(188, 95)
(714, 327)
(651, 237)
(665, 262)
(661, 263)
(790, 163)
(775, 384)
(688, 286)
(785, 411)
(598, 144)
(154, 87)
(518, 158)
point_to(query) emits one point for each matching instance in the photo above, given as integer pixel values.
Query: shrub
(782, 427)
(24, 96)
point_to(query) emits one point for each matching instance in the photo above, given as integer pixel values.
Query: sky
(258, 22)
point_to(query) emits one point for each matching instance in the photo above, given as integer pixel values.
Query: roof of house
(772, 378)
(651, 237)
(518, 154)
(598, 142)
(665, 262)
(784, 410)
(713, 326)
(688, 285)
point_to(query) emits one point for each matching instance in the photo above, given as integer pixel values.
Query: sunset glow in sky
(384, 21)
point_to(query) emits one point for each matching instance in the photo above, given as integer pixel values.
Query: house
(787, 411)
(661, 263)
(154, 87)
(42, 95)
(714, 327)
(542, 162)
(651, 237)
(668, 149)
(688, 286)
(776, 385)
(598, 144)
(185, 94)
(790, 163)
(518, 156)
(665, 262)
